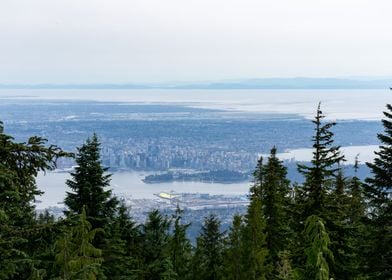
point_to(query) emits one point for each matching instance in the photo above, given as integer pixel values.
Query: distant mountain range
(267, 83)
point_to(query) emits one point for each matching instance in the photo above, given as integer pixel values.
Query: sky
(138, 41)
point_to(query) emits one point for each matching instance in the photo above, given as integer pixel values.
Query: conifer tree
(155, 248)
(41, 241)
(378, 191)
(356, 218)
(379, 186)
(255, 248)
(132, 236)
(180, 247)
(37, 274)
(88, 184)
(357, 206)
(275, 202)
(116, 263)
(19, 166)
(121, 247)
(86, 259)
(208, 259)
(233, 256)
(76, 255)
(323, 192)
(284, 270)
(320, 174)
(340, 229)
(10, 248)
(318, 254)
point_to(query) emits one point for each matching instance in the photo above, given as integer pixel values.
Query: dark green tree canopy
(380, 185)
(75, 253)
(19, 165)
(209, 250)
(378, 190)
(88, 184)
(318, 255)
(324, 165)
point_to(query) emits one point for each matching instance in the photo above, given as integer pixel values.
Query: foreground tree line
(329, 227)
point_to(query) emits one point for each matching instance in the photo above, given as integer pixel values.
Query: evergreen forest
(331, 226)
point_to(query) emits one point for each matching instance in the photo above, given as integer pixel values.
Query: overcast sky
(93, 41)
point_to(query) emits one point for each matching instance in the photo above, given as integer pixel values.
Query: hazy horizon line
(358, 82)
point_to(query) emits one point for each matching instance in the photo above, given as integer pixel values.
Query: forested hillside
(331, 226)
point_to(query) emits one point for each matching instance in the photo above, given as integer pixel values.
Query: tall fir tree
(131, 234)
(275, 197)
(255, 248)
(378, 190)
(284, 270)
(356, 218)
(19, 166)
(319, 176)
(357, 207)
(208, 258)
(76, 255)
(379, 186)
(233, 255)
(116, 263)
(254, 235)
(156, 262)
(318, 254)
(323, 190)
(41, 244)
(88, 184)
(340, 229)
(180, 247)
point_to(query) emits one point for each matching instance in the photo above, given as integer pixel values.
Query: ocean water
(130, 185)
(337, 104)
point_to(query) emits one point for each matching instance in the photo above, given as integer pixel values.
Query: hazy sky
(60, 41)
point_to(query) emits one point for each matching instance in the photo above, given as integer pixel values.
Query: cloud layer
(60, 41)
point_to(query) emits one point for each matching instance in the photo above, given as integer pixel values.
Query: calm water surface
(337, 104)
(130, 184)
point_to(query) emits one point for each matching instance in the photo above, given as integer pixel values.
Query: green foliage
(275, 196)
(76, 255)
(318, 254)
(116, 263)
(208, 260)
(284, 269)
(180, 247)
(132, 236)
(357, 204)
(40, 243)
(11, 254)
(324, 194)
(156, 262)
(37, 274)
(88, 185)
(254, 242)
(233, 256)
(319, 176)
(380, 184)
(378, 190)
(19, 165)
(266, 228)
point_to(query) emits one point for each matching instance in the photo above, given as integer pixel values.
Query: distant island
(216, 176)
(258, 83)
